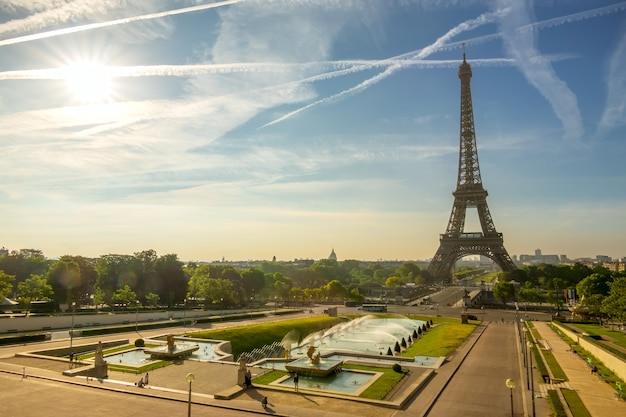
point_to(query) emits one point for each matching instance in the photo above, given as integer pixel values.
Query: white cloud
(614, 114)
(521, 45)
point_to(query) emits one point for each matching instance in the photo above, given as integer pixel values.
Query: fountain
(172, 350)
(314, 365)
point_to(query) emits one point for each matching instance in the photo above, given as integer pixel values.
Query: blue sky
(258, 128)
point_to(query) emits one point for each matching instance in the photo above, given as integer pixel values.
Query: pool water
(130, 357)
(346, 382)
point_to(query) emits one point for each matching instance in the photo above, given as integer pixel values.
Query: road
(478, 388)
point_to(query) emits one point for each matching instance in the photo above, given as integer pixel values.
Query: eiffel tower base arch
(451, 249)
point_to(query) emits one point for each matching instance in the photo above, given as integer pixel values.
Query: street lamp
(530, 369)
(72, 330)
(136, 316)
(189, 378)
(510, 384)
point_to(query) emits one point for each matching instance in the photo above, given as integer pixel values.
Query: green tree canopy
(614, 305)
(6, 284)
(34, 288)
(594, 284)
(124, 296)
(504, 291)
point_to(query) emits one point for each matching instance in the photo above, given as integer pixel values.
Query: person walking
(295, 381)
(146, 379)
(264, 402)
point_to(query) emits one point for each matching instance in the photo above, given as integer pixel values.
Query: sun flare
(89, 82)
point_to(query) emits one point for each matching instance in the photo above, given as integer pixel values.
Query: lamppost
(136, 316)
(189, 378)
(510, 384)
(72, 330)
(530, 369)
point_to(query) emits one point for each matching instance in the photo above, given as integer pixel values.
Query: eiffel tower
(454, 244)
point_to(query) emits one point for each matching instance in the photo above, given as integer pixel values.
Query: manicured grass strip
(554, 366)
(268, 377)
(383, 384)
(112, 351)
(541, 367)
(140, 370)
(575, 404)
(555, 404)
(246, 338)
(441, 340)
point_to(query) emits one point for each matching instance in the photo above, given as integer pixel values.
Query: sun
(89, 81)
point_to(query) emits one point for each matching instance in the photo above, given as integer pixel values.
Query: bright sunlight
(89, 82)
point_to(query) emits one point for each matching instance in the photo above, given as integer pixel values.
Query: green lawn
(440, 340)
(597, 330)
(575, 404)
(247, 338)
(554, 366)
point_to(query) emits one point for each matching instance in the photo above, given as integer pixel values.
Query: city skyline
(248, 129)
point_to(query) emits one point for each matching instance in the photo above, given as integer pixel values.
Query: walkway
(597, 396)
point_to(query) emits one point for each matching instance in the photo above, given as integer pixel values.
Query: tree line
(600, 292)
(146, 278)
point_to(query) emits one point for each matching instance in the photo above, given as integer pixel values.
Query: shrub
(140, 343)
(396, 368)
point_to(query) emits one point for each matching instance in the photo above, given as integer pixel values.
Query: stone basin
(179, 350)
(305, 367)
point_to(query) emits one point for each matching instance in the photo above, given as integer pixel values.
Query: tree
(172, 279)
(393, 282)
(408, 272)
(152, 299)
(124, 296)
(253, 281)
(614, 305)
(504, 291)
(6, 284)
(115, 271)
(98, 297)
(24, 263)
(64, 277)
(35, 288)
(594, 284)
(356, 296)
(335, 290)
(531, 295)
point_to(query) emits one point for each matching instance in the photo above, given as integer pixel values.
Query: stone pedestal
(241, 372)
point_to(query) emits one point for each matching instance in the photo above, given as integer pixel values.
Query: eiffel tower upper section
(455, 243)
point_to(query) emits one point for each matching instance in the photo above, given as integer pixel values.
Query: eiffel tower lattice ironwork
(455, 243)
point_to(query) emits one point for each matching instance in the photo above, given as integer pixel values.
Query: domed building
(333, 255)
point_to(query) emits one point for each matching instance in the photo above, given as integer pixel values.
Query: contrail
(575, 17)
(340, 67)
(440, 44)
(90, 26)
(424, 52)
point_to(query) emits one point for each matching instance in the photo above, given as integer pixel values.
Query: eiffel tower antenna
(455, 243)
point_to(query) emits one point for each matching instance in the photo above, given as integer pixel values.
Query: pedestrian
(146, 379)
(594, 370)
(248, 379)
(264, 402)
(295, 381)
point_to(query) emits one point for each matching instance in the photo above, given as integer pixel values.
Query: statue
(315, 359)
(100, 367)
(170, 343)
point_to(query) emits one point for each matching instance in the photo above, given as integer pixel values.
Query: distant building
(539, 258)
(333, 255)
